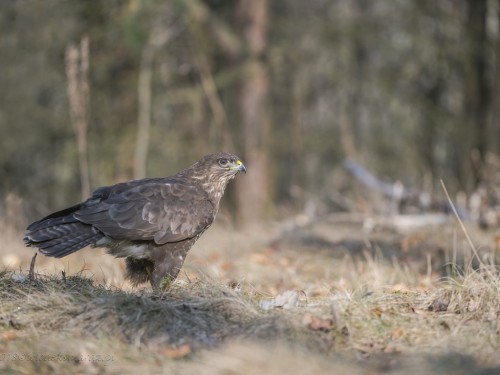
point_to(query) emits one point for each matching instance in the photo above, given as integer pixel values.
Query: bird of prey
(152, 222)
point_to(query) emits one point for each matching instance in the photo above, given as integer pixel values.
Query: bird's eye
(223, 162)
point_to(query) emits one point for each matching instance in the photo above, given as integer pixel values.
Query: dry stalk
(464, 230)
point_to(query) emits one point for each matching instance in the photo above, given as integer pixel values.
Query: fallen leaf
(260, 258)
(9, 335)
(377, 311)
(317, 323)
(175, 352)
(227, 265)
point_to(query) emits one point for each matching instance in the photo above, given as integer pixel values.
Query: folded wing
(161, 211)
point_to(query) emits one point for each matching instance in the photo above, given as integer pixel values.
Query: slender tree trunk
(469, 137)
(77, 65)
(144, 116)
(479, 51)
(495, 99)
(252, 192)
(158, 37)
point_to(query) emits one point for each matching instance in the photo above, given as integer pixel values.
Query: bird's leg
(167, 264)
(161, 279)
(139, 270)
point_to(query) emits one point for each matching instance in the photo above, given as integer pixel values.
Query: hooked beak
(241, 167)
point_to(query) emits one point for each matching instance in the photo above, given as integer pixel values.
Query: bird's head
(214, 171)
(221, 165)
(228, 164)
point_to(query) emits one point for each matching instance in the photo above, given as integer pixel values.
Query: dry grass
(336, 314)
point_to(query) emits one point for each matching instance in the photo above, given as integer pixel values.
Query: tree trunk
(468, 146)
(495, 99)
(158, 37)
(77, 65)
(473, 136)
(144, 116)
(252, 192)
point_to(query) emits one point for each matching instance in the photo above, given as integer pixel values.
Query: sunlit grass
(351, 315)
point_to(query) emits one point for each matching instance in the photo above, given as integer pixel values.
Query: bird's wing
(166, 211)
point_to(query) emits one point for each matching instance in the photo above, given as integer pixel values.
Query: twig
(464, 230)
(460, 222)
(31, 274)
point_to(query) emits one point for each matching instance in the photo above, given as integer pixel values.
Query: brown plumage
(151, 222)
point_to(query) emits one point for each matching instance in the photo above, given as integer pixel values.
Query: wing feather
(155, 210)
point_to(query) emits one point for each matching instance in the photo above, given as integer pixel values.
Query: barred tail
(61, 238)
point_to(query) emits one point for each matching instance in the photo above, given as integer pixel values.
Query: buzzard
(152, 222)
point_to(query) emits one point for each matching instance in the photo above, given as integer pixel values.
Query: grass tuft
(298, 309)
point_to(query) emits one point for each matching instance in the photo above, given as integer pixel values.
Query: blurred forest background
(96, 92)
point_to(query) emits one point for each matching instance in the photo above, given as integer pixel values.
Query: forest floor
(345, 295)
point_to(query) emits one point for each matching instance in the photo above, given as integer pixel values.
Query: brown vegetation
(298, 306)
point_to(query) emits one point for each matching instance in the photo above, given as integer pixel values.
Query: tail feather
(51, 223)
(61, 239)
(60, 217)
